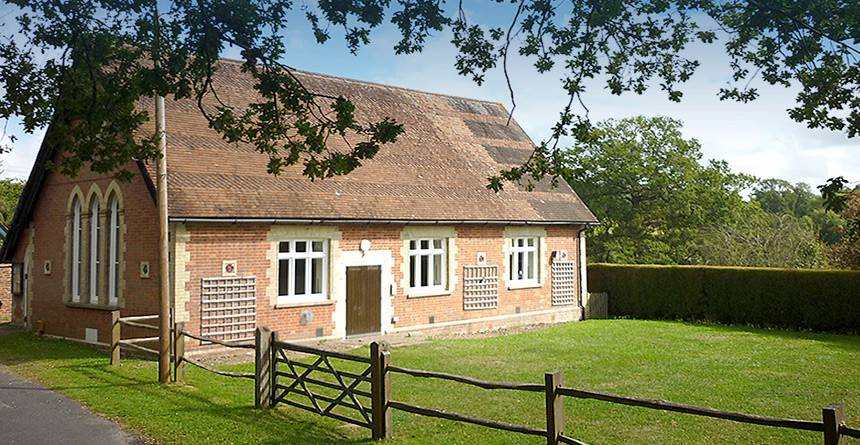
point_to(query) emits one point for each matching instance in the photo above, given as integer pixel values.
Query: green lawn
(764, 372)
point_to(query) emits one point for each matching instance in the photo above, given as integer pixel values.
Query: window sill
(428, 293)
(527, 285)
(99, 307)
(303, 304)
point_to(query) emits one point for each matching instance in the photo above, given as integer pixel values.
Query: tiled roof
(437, 169)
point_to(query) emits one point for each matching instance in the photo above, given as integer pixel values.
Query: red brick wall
(5, 291)
(248, 244)
(47, 229)
(210, 244)
(490, 240)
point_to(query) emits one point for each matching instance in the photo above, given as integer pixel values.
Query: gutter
(183, 220)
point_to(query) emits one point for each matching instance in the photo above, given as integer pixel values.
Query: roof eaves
(269, 220)
(150, 186)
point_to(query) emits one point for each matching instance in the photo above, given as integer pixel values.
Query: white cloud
(18, 162)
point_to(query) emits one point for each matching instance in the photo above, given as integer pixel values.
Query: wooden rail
(229, 344)
(569, 440)
(140, 317)
(665, 405)
(442, 414)
(132, 345)
(138, 325)
(320, 352)
(467, 380)
(850, 432)
(140, 340)
(246, 375)
(327, 371)
(179, 357)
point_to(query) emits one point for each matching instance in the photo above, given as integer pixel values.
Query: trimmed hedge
(825, 300)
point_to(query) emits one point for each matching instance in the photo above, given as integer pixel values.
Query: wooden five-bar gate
(317, 380)
(357, 389)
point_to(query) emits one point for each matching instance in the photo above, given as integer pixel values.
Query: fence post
(262, 367)
(554, 407)
(833, 417)
(380, 389)
(114, 338)
(178, 352)
(273, 369)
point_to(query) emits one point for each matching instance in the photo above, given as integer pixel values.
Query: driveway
(32, 414)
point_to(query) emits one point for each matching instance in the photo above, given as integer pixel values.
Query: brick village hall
(411, 240)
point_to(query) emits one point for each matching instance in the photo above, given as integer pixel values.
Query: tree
(10, 191)
(846, 253)
(838, 197)
(644, 182)
(780, 197)
(765, 240)
(82, 66)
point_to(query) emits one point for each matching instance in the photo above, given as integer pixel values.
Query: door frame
(378, 329)
(385, 261)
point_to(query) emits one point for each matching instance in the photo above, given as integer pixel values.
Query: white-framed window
(95, 250)
(302, 271)
(113, 251)
(76, 259)
(523, 259)
(428, 264)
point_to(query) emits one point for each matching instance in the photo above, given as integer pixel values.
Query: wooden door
(363, 300)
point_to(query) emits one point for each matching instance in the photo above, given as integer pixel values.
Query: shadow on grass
(205, 411)
(846, 342)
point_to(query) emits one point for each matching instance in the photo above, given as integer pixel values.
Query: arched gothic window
(113, 250)
(77, 255)
(95, 250)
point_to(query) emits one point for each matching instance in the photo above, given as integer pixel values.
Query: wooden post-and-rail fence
(357, 389)
(178, 359)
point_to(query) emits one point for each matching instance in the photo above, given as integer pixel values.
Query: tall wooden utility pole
(164, 337)
(163, 249)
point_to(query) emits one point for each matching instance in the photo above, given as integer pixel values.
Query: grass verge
(763, 372)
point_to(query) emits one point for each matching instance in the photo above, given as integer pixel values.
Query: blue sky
(756, 138)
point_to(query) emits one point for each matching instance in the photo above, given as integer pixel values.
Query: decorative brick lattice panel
(228, 308)
(480, 287)
(563, 282)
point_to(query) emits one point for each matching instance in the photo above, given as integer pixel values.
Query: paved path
(32, 414)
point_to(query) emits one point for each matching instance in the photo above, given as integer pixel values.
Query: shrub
(790, 298)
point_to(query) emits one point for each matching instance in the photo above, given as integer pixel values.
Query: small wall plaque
(144, 269)
(229, 268)
(481, 258)
(46, 267)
